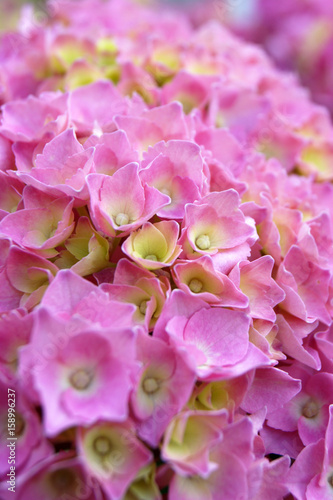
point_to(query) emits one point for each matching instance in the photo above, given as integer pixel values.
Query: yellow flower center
(150, 385)
(81, 379)
(195, 285)
(310, 410)
(122, 219)
(203, 242)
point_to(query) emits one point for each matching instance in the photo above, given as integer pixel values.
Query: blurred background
(297, 34)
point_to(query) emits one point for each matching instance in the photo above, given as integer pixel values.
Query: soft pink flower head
(121, 203)
(228, 394)
(154, 245)
(56, 476)
(190, 90)
(213, 352)
(40, 229)
(112, 455)
(231, 459)
(312, 473)
(24, 279)
(10, 194)
(308, 411)
(164, 386)
(200, 279)
(33, 118)
(86, 376)
(213, 224)
(20, 420)
(87, 110)
(86, 251)
(140, 287)
(15, 331)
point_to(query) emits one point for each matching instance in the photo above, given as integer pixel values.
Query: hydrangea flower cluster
(166, 251)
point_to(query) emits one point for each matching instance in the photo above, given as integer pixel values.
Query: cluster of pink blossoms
(166, 252)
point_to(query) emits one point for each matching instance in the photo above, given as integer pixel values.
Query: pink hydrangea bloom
(311, 474)
(57, 476)
(120, 204)
(112, 455)
(75, 384)
(164, 386)
(166, 263)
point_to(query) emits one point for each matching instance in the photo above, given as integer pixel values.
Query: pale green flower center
(150, 385)
(81, 379)
(195, 285)
(102, 445)
(203, 242)
(143, 307)
(151, 257)
(122, 219)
